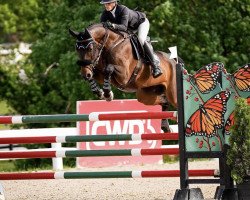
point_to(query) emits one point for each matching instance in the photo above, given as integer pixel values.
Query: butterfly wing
(209, 116)
(242, 78)
(229, 123)
(207, 77)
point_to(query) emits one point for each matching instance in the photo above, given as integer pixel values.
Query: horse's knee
(109, 70)
(107, 78)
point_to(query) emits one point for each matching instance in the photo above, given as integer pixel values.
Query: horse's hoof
(110, 96)
(165, 126)
(101, 95)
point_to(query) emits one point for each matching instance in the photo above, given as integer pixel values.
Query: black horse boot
(155, 62)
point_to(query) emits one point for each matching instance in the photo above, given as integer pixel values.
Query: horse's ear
(74, 33)
(87, 33)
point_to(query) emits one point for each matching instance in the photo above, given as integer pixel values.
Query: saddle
(137, 48)
(138, 53)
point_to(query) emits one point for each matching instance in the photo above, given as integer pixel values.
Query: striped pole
(107, 174)
(95, 116)
(88, 153)
(89, 138)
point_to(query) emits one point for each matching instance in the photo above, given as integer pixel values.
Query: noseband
(80, 45)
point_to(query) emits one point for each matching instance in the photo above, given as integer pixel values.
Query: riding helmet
(107, 1)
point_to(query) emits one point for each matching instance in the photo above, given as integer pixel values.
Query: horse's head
(90, 45)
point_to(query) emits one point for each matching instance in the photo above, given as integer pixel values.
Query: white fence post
(57, 162)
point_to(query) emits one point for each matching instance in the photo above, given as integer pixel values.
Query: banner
(117, 127)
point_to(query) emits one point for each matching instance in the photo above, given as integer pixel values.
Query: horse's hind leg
(164, 122)
(108, 94)
(96, 89)
(155, 96)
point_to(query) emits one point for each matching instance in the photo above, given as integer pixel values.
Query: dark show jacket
(125, 18)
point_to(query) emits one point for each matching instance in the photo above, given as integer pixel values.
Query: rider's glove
(108, 24)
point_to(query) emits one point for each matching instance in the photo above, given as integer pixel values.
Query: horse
(107, 57)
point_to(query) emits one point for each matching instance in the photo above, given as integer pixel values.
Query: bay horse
(107, 58)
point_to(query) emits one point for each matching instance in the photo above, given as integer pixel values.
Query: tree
(22, 20)
(205, 31)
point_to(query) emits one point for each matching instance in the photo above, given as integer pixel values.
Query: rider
(120, 17)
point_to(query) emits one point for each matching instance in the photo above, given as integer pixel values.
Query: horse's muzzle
(87, 72)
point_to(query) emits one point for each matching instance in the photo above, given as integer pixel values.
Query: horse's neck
(99, 33)
(118, 44)
(114, 39)
(116, 47)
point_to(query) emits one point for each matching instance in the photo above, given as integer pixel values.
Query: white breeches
(143, 31)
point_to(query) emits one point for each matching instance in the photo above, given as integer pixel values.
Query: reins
(92, 65)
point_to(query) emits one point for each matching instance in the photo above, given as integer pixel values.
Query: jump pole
(89, 138)
(88, 153)
(95, 116)
(107, 174)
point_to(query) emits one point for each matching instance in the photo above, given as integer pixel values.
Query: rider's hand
(108, 24)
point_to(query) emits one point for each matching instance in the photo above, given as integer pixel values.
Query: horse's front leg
(108, 94)
(96, 89)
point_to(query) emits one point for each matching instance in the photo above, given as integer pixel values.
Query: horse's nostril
(88, 76)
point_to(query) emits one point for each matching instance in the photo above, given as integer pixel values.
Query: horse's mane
(93, 25)
(102, 24)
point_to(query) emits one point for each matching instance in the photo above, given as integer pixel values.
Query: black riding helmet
(107, 1)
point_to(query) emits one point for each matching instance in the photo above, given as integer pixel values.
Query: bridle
(91, 65)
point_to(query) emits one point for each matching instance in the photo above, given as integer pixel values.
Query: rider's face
(109, 6)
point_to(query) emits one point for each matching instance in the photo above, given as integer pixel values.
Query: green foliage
(204, 31)
(7, 166)
(25, 20)
(7, 19)
(5, 110)
(238, 156)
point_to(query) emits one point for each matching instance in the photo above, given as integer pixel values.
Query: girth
(133, 76)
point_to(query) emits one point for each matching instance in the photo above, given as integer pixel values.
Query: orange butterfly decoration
(229, 123)
(206, 78)
(209, 116)
(242, 78)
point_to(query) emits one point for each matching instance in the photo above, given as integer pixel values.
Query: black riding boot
(155, 62)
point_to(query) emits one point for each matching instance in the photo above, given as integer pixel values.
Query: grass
(7, 166)
(170, 158)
